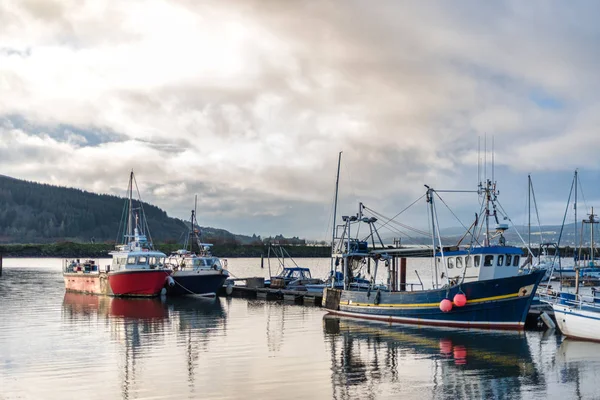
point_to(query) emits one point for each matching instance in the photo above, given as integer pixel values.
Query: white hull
(578, 323)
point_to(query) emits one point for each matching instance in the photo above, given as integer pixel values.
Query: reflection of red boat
(83, 304)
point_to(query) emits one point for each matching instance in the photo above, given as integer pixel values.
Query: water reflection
(579, 365)
(195, 320)
(449, 363)
(141, 326)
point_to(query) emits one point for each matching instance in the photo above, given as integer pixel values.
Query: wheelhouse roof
(483, 250)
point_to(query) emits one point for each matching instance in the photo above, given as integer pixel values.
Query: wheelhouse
(138, 260)
(481, 263)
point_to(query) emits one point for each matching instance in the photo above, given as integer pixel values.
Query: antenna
(493, 158)
(485, 156)
(478, 160)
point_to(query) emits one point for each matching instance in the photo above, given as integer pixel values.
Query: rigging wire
(444, 203)
(537, 213)
(505, 215)
(406, 208)
(390, 221)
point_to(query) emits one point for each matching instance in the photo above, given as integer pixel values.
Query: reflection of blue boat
(484, 284)
(464, 364)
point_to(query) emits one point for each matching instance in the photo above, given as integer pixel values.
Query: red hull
(137, 282)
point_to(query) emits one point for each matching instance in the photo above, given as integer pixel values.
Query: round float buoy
(460, 300)
(170, 281)
(445, 305)
(229, 289)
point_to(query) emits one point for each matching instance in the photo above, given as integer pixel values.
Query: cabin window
(450, 262)
(143, 260)
(477, 261)
(130, 260)
(516, 261)
(152, 260)
(459, 262)
(508, 260)
(488, 261)
(500, 260)
(121, 261)
(468, 262)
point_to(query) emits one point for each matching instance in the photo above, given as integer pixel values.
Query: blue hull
(496, 303)
(196, 284)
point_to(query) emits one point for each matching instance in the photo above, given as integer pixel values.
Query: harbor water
(57, 345)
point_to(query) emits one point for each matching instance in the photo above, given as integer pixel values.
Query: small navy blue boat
(195, 270)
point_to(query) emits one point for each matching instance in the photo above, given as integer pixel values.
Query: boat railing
(573, 300)
(76, 265)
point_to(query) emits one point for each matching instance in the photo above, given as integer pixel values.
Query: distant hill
(545, 233)
(38, 213)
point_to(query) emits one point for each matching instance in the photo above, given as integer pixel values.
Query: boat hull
(95, 283)
(203, 283)
(137, 283)
(578, 323)
(501, 303)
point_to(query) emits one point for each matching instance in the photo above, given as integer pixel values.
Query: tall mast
(575, 208)
(592, 221)
(433, 231)
(529, 210)
(487, 212)
(337, 182)
(130, 221)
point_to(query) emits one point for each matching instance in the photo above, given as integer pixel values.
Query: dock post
(262, 261)
(0, 263)
(403, 274)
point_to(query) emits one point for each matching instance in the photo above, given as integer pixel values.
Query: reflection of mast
(131, 330)
(275, 341)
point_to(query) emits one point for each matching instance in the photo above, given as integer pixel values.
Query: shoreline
(102, 250)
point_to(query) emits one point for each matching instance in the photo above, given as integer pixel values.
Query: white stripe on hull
(421, 321)
(576, 323)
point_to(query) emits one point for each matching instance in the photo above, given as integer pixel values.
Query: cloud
(249, 102)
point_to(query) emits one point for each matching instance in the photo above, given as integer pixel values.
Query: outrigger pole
(337, 182)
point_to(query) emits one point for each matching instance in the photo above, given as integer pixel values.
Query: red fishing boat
(137, 269)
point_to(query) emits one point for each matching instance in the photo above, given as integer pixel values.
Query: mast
(130, 220)
(592, 221)
(337, 182)
(487, 212)
(433, 231)
(575, 208)
(529, 210)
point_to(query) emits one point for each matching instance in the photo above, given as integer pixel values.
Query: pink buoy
(460, 300)
(445, 305)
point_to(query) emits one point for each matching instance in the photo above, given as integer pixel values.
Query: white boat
(577, 315)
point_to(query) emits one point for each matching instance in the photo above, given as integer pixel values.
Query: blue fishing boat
(482, 284)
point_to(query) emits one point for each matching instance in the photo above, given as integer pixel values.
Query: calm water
(66, 346)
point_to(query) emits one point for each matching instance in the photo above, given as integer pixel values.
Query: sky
(248, 103)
